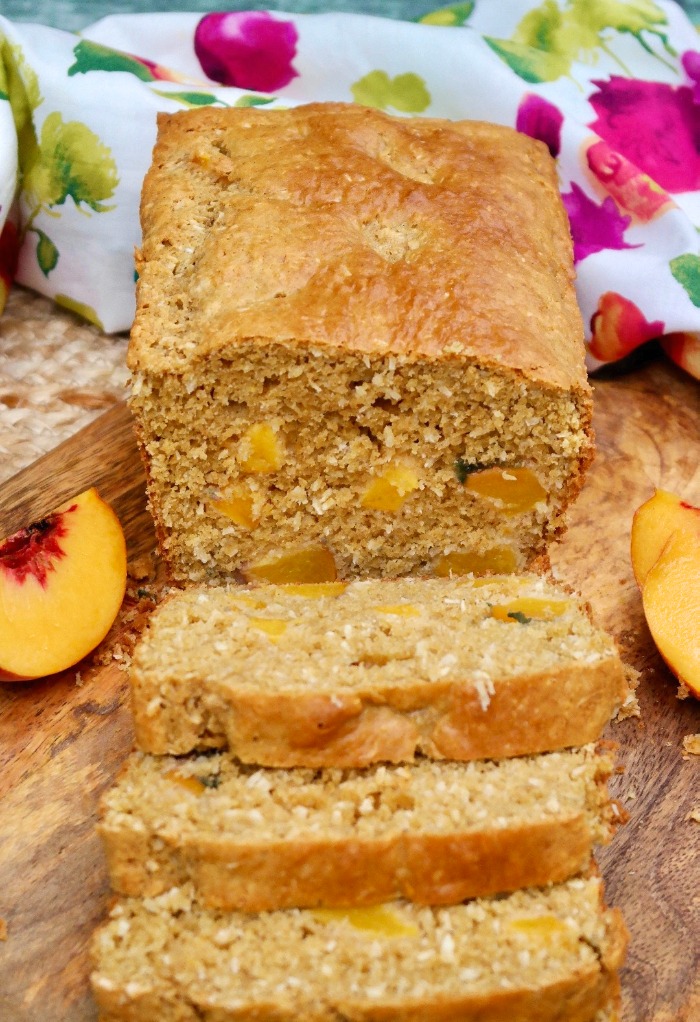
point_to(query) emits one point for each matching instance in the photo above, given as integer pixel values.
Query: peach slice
(383, 920)
(189, 783)
(500, 559)
(272, 626)
(388, 491)
(529, 608)
(238, 508)
(261, 450)
(516, 489)
(545, 927)
(671, 600)
(653, 525)
(62, 582)
(311, 564)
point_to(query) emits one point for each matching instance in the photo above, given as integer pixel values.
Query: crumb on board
(143, 568)
(683, 691)
(691, 745)
(694, 814)
(630, 707)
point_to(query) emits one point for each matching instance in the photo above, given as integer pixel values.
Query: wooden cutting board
(61, 742)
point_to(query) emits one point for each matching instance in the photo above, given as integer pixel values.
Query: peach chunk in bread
(306, 566)
(374, 670)
(62, 582)
(353, 359)
(515, 489)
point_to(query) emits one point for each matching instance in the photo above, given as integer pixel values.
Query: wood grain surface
(63, 739)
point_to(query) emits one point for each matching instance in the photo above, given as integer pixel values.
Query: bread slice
(346, 675)
(357, 347)
(255, 839)
(534, 956)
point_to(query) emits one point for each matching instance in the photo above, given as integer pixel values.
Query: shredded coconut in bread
(367, 350)
(374, 670)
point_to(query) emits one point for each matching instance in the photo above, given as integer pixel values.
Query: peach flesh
(653, 525)
(302, 567)
(671, 598)
(62, 582)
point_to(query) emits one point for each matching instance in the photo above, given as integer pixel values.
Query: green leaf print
(254, 100)
(549, 38)
(406, 92)
(70, 161)
(452, 15)
(21, 85)
(623, 16)
(67, 160)
(529, 64)
(79, 308)
(46, 253)
(91, 56)
(686, 270)
(191, 98)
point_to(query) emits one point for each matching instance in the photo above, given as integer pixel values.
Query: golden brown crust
(590, 995)
(415, 276)
(578, 981)
(427, 238)
(445, 720)
(462, 833)
(429, 869)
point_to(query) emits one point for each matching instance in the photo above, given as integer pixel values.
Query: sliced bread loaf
(363, 354)
(256, 839)
(538, 955)
(349, 674)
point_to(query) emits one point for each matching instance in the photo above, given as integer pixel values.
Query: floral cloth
(612, 87)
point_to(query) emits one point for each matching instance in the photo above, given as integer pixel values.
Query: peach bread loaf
(538, 955)
(357, 349)
(256, 839)
(346, 674)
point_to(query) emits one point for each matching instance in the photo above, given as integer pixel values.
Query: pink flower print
(594, 227)
(618, 327)
(691, 65)
(9, 253)
(630, 188)
(159, 72)
(248, 49)
(656, 126)
(539, 118)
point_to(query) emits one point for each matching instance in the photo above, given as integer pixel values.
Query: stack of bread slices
(362, 801)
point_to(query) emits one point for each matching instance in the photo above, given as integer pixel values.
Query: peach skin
(62, 582)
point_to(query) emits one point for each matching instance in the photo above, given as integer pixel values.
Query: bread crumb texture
(374, 670)
(368, 345)
(540, 954)
(256, 839)
(691, 745)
